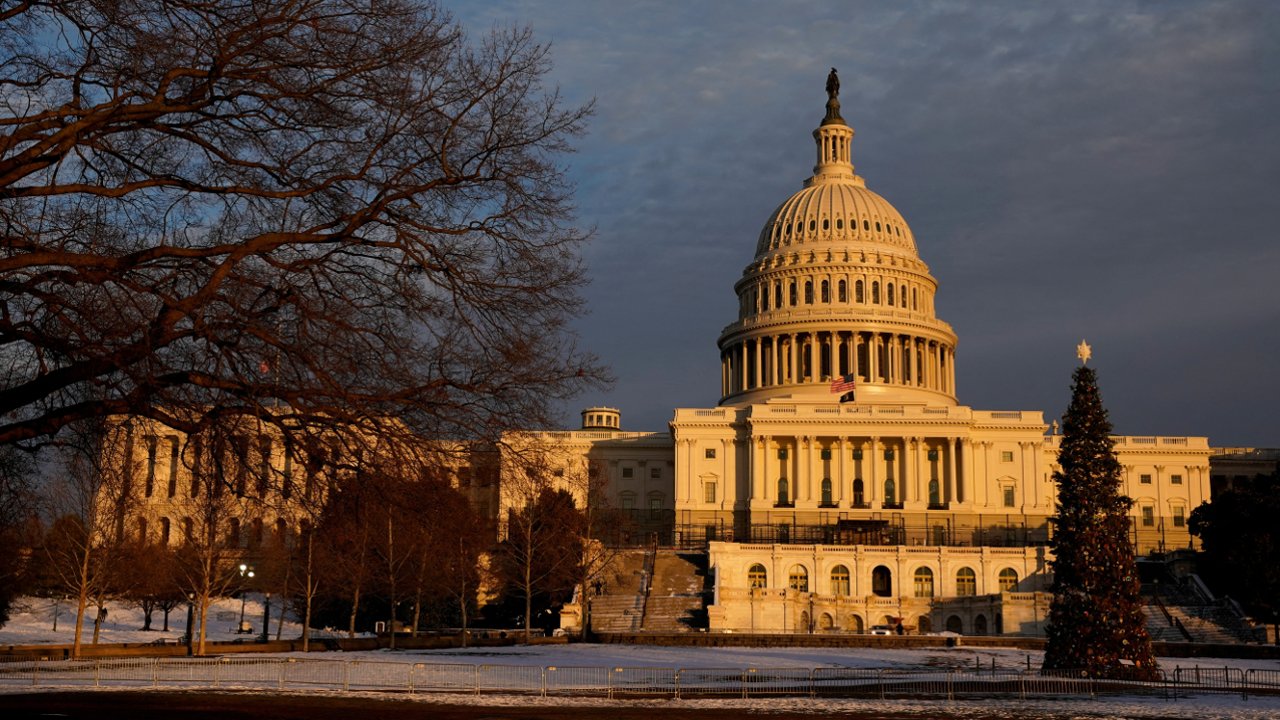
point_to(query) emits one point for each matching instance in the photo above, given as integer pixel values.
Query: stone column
(804, 478)
(794, 370)
(963, 487)
(758, 375)
(952, 444)
(841, 476)
(872, 484)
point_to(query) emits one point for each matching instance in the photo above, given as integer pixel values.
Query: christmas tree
(1096, 624)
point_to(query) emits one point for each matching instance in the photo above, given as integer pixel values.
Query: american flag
(844, 384)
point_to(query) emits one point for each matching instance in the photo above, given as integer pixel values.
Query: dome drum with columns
(837, 288)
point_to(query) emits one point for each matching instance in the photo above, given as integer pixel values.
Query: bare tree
(17, 525)
(212, 532)
(308, 212)
(539, 557)
(92, 498)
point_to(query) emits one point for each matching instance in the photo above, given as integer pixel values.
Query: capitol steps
(676, 601)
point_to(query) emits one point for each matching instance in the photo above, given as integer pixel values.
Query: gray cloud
(1088, 169)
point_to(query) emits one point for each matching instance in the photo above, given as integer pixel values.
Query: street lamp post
(246, 571)
(266, 615)
(191, 601)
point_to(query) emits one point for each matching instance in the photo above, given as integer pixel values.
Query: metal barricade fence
(845, 682)
(708, 682)
(306, 673)
(1209, 679)
(1262, 680)
(363, 675)
(638, 682)
(523, 679)
(246, 672)
(576, 681)
(430, 677)
(620, 682)
(897, 684)
(126, 671)
(65, 672)
(761, 682)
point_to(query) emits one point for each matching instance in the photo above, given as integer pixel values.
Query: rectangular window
(173, 466)
(1145, 479)
(1008, 496)
(708, 492)
(1179, 519)
(151, 464)
(655, 473)
(1175, 479)
(1006, 456)
(559, 472)
(1148, 516)
(710, 454)
(627, 473)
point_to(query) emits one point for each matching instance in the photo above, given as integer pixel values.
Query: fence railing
(618, 682)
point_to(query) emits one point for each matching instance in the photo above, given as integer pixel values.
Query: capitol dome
(837, 288)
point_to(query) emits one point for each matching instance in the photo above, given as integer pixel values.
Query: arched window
(1008, 580)
(808, 292)
(784, 495)
(142, 530)
(980, 625)
(855, 624)
(882, 581)
(858, 499)
(187, 529)
(826, 291)
(875, 292)
(793, 293)
(798, 578)
(888, 291)
(924, 582)
(764, 301)
(840, 581)
(903, 298)
(777, 295)
(826, 491)
(826, 623)
(165, 530)
(966, 582)
(757, 576)
(857, 291)
(914, 305)
(890, 497)
(842, 294)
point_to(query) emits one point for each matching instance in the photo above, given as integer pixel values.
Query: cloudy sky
(1102, 169)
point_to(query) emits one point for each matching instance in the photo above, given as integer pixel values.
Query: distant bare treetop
(312, 213)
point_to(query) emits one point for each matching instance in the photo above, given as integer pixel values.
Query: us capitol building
(821, 515)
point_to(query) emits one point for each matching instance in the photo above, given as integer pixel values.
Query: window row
(966, 580)
(232, 534)
(784, 230)
(792, 293)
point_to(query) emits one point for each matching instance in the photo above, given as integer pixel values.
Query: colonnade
(817, 356)
(912, 472)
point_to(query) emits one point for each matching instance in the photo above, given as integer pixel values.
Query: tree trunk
(204, 617)
(166, 618)
(308, 592)
(355, 608)
(148, 607)
(97, 620)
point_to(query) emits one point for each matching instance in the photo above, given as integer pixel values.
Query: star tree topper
(1084, 352)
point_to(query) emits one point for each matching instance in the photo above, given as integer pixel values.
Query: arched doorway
(855, 624)
(924, 625)
(826, 622)
(980, 625)
(882, 581)
(955, 625)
